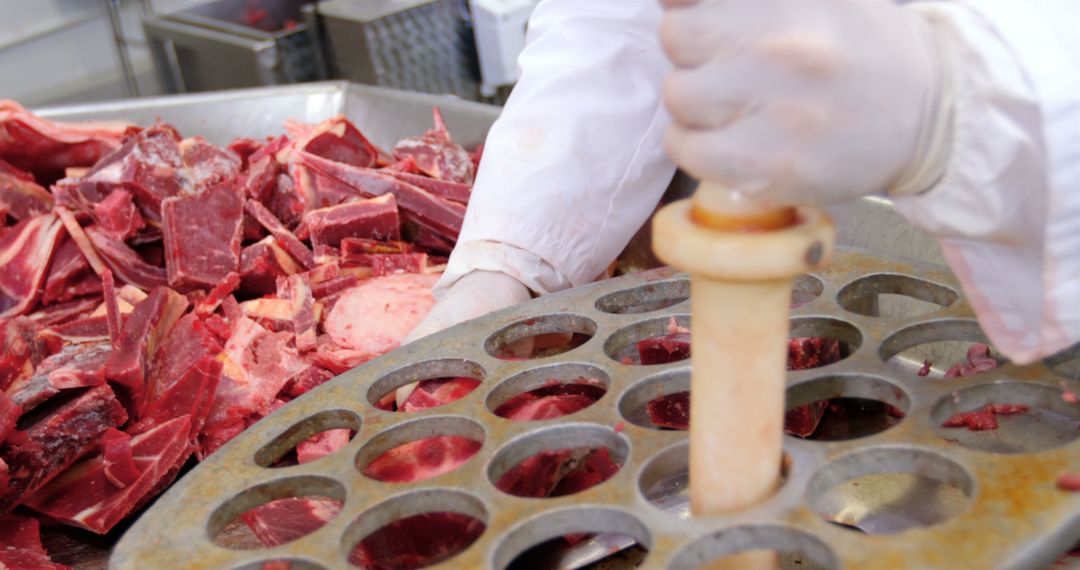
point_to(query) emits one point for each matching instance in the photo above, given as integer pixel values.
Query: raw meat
(436, 213)
(76, 366)
(984, 419)
(9, 414)
(286, 239)
(671, 411)
(391, 263)
(322, 444)
(51, 445)
(438, 392)
(376, 218)
(558, 473)
(416, 541)
(454, 191)
(375, 316)
(25, 253)
(553, 400)
(68, 271)
(20, 196)
(338, 140)
(665, 349)
(359, 246)
(117, 216)
(436, 155)
(146, 328)
(807, 353)
(261, 264)
(1068, 482)
(20, 545)
(285, 520)
(422, 459)
(125, 262)
(85, 497)
(306, 381)
(202, 237)
(42, 146)
(978, 361)
(118, 459)
(209, 165)
(23, 346)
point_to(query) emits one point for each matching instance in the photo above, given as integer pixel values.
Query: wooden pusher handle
(742, 260)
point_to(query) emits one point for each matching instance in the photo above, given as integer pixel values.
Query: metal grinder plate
(905, 494)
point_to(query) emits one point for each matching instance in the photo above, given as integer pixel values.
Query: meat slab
(554, 399)
(375, 316)
(422, 459)
(202, 237)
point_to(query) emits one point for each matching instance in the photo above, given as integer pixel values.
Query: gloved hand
(474, 295)
(798, 102)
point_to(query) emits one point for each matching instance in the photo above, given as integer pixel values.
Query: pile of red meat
(159, 294)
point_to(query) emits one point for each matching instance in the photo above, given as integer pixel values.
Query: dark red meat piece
(807, 353)
(20, 196)
(286, 520)
(438, 392)
(286, 239)
(118, 459)
(20, 545)
(437, 155)
(76, 366)
(9, 414)
(125, 262)
(26, 251)
(261, 264)
(416, 541)
(339, 140)
(1068, 482)
(984, 419)
(322, 444)
(53, 443)
(68, 267)
(558, 473)
(145, 329)
(665, 349)
(65, 311)
(553, 400)
(359, 246)
(422, 459)
(434, 212)
(376, 218)
(671, 411)
(85, 497)
(244, 148)
(802, 421)
(454, 191)
(41, 146)
(117, 215)
(302, 316)
(202, 237)
(390, 263)
(23, 346)
(87, 329)
(209, 165)
(306, 381)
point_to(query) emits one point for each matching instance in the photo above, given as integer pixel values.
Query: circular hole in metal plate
(1007, 417)
(548, 392)
(540, 337)
(889, 489)
(610, 529)
(659, 402)
(558, 460)
(247, 520)
(894, 296)
(819, 341)
(659, 340)
(281, 564)
(947, 347)
(441, 381)
(645, 298)
(1066, 363)
(420, 449)
(416, 529)
(805, 289)
(843, 406)
(793, 548)
(309, 439)
(664, 480)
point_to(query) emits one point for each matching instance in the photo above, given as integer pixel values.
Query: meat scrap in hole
(422, 459)
(984, 419)
(558, 473)
(20, 545)
(552, 400)
(417, 541)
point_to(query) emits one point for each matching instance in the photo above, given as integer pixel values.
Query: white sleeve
(575, 164)
(1007, 211)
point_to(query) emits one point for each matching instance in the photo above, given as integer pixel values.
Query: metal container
(230, 44)
(415, 45)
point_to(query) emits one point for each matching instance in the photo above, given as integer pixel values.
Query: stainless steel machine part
(924, 496)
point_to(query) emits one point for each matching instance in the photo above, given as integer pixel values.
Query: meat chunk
(41, 146)
(436, 154)
(553, 400)
(285, 520)
(76, 366)
(20, 196)
(671, 411)
(376, 218)
(436, 392)
(124, 262)
(209, 165)
(422, 459)
(665, 349)
(117, 216)
(20, 537)
(143, 332)
(558, 473)
(25, 252)
(417, 541)
(261, 264)
(53, 443)
(202, 237)
(88, 496)
(23, 346)
(339, 140)
(978, 361)
(375, 316)
(984, 419)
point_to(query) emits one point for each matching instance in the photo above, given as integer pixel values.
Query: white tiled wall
(60, 51)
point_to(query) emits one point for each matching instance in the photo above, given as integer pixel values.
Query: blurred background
(73, 51)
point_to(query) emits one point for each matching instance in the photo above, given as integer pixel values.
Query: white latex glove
(805, 102)
(474, 295)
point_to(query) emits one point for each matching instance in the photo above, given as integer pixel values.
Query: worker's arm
(573, 166)
(1007, 209)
